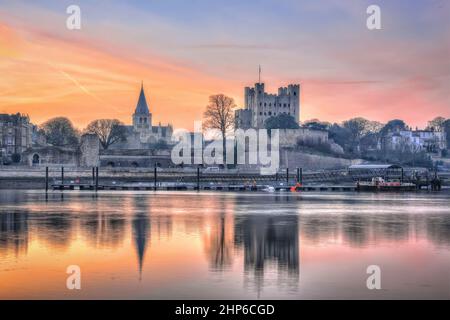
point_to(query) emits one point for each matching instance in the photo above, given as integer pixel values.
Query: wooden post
(198, 178)
(401, 181)
(96, 178)
(287, 176)
(301, 176)
(93, 176)
(46, 179)
(155, 178)
(298, 175)
(62, 175)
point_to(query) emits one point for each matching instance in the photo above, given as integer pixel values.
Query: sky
(184, 51)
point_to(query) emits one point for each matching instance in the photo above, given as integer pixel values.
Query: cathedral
(142, 134)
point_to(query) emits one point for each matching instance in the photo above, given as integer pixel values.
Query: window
(270, 104)
(264, 113)
(264, 104)
(260, 113)
(284, 105)
(270, 113)
(295, 93)
(260, 104)
(289, 105)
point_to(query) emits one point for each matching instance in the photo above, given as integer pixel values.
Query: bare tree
(108, 131)
(219, 115)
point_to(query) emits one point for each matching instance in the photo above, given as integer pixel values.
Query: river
(220, 245)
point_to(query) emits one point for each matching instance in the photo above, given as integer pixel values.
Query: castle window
(279, 104)
(295, 93)
(264, 113)
(289, 105)
(284, 105)
(270, 113)
(260, 113)
(265, 104)
(260, 104)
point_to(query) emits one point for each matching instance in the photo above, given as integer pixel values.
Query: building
(260, 105)
(142, 134)
(16, 133)
(414, 140)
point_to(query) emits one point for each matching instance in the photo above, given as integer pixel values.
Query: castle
(259, 105)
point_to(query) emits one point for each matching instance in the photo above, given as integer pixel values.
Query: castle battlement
(260, 105)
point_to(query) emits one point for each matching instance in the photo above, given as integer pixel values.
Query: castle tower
(142, 118)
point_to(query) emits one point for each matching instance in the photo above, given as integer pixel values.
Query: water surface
(189, 245)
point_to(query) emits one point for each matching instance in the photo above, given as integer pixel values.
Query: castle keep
(260, 105)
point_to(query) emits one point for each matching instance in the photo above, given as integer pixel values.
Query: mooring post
(298, 175)
(401, 181)
(198, 178)
(62, 176)
(287, 176)
(46, 179)
(301, 176)
(155, 178)
(96, 178)
(93, 176)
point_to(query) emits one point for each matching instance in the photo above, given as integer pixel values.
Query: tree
(341, 136)
(60, 132)
(219, 115)
(281, 121)
(436, 124)
(108, 131)
(393, 125)
(316, 124)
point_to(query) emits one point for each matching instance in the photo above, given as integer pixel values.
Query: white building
(417, 140)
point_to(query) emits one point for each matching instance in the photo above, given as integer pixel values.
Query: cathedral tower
(142, 118)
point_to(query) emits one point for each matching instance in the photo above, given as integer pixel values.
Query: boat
(379, 184)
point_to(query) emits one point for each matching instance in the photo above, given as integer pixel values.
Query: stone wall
(89, 150)
(51, 156)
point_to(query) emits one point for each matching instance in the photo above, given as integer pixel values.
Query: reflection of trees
(356, 229)
(55, 228)
(268, 240)
(391, 227)
(103, 229)
(438, 229)
(14, 233)
(218, 242)
(319, 228)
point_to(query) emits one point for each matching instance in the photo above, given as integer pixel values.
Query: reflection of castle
(267, 240)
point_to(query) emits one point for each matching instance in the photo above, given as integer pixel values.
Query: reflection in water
(251, 241)
(267, 240)
(13, 233)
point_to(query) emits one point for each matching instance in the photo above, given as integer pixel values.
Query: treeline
(61, 132)
(367, 139)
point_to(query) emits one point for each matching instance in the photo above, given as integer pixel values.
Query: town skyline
(344, 70)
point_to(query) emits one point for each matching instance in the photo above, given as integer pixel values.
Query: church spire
(142, 107)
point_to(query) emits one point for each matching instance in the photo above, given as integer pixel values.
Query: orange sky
(96, 72)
